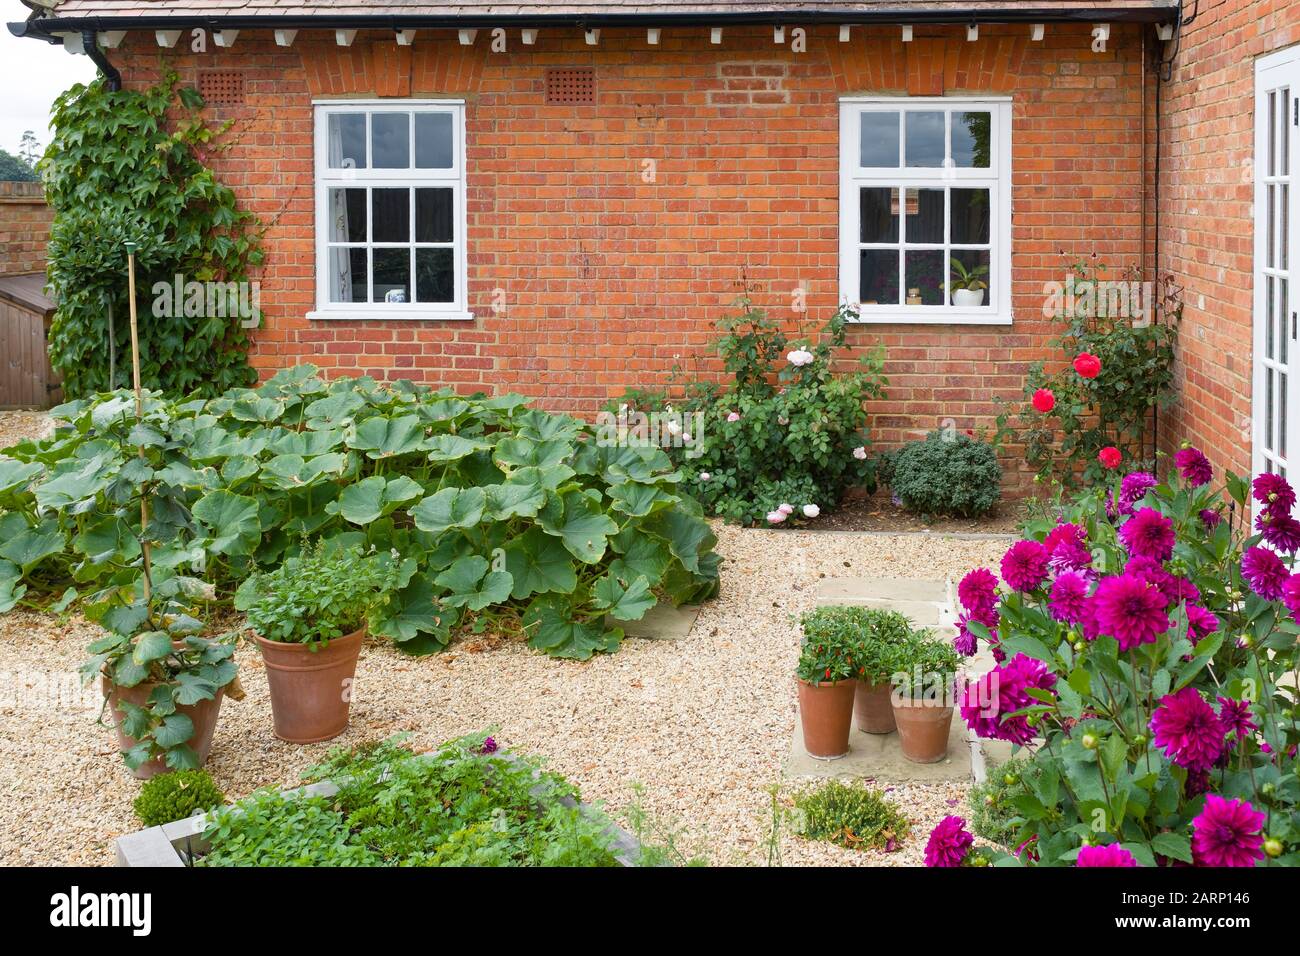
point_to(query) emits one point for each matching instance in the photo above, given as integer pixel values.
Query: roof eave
(48, 28)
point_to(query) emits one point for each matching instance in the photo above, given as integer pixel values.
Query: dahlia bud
(1140, 740)
(1247, 642)
(1079, 646)
(1009, 779)
(989, 801)
(1273, 847)
(1089, 741)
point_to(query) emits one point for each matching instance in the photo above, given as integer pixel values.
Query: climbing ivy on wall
(129, 165)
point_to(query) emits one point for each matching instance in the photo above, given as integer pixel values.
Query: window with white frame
(925, 209)
(390, 210)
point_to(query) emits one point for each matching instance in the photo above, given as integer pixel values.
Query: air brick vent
(571, 86)
(222, 87)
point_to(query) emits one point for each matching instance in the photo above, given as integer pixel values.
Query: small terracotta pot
(872, 711)
(203, 714)
(923, 728)
(826, 712)
(311, 690)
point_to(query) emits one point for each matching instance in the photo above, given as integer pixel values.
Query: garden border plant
(502, 516)
(786, 434)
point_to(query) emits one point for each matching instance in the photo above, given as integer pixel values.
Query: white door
(1277, 266)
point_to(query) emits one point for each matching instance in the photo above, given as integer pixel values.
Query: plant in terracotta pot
(309, 617)
(826, 680)
(886, 637)
(163, 684)
(923, 697)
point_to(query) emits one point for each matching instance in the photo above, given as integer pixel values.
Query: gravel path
(702, 724)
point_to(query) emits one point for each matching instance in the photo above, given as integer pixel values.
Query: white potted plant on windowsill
(967, 285)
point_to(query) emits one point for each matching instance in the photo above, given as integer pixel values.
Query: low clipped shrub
(948, 474)
(175, 796)
(784, 430)
(493, 513)
(850, 815)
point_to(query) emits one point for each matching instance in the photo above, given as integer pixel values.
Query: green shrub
(128, 165)
(850, 815)
(464, 805)
(796, 427)
(994, 816)
(175, 796)
(946, 474)
(495, 514)
(317, 596)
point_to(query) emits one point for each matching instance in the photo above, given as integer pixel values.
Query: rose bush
(1118, 368)
(785, 430)
(1147, 649)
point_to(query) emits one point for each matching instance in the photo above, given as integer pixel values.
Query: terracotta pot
(311, 690)
(203, 714)
(872, 710)
(923, 728)
(826, 712)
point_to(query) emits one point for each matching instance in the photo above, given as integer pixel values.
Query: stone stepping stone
(663, 622)
(880, 756)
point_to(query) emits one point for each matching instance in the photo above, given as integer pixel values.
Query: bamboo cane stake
(139, 414)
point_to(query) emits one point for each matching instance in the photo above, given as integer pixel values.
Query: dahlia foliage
(1147, 656)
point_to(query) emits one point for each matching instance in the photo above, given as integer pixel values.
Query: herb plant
(175, 796)
(457, 806)
(318, 595)
(927, 668)
(878, 639)
(849, 814)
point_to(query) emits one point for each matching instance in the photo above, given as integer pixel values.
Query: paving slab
(663, 622)
(879, 756)
(905, 590)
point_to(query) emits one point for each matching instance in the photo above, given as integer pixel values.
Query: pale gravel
(702, 724)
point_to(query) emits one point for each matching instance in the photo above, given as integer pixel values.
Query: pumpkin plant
(503, 515)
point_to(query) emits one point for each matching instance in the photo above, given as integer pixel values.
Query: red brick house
(561, 199)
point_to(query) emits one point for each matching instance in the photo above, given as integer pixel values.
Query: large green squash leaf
(537, 562)
(580, 524)
(551, 627)
(450, 508)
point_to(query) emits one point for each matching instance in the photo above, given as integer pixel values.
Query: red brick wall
(609, 280)
(1206, 216)
(24, 228)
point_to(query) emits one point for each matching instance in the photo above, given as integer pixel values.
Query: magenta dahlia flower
(1236, 717)
(1187, 729)
(964, 642)
(1227, 833)
(1148, 533)
(978, 591)
(1002, 691)
(1291, 596)
(1264, 572)
(1210, 517)
(1194, 466)
(1274, 492)
(1065, 533)
(1024, 566)
(1112, 854)
(1068, 597)
(1281, 530)
(489, 746)
(1133, 488)
(948, 844)
(1200, 623)
(1130, 609)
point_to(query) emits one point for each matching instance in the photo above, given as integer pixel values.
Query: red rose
(1109, 456)
(1087, 365)
(1044, 401)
